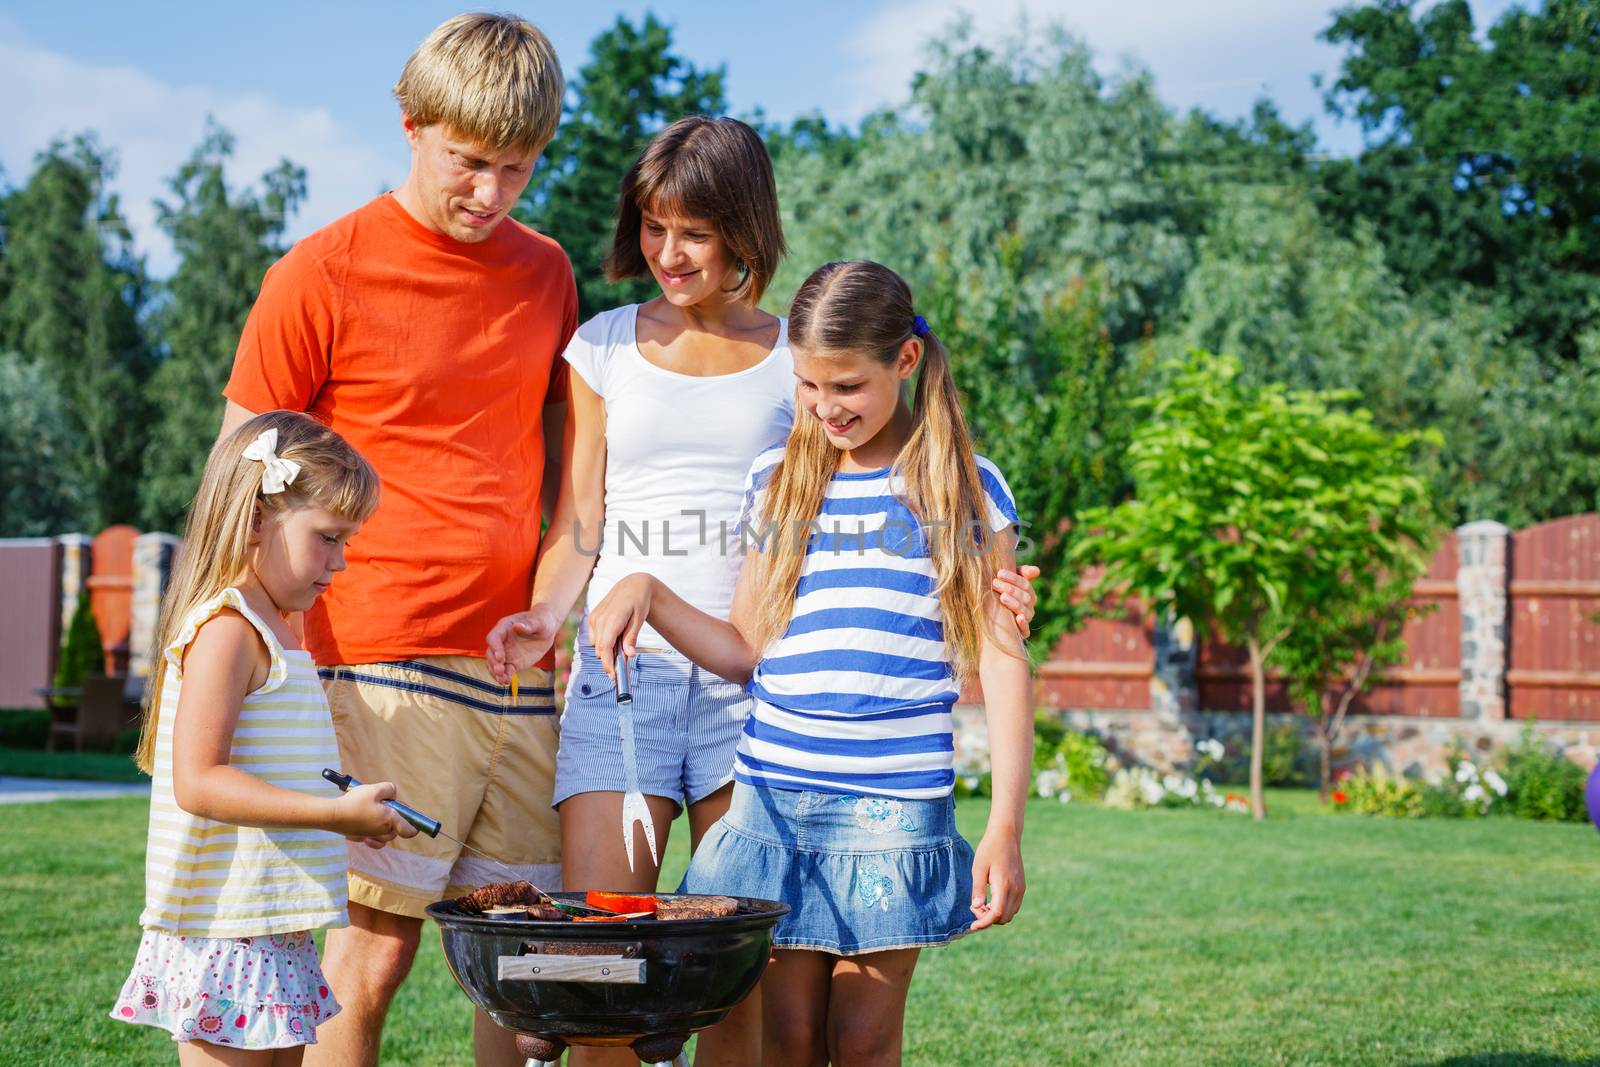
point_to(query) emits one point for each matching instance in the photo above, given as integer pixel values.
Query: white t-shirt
(678, 450)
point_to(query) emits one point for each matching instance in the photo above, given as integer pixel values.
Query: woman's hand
(1015, 591)
(997, 879)
(362, 815)
(616, 621)
(519, 641)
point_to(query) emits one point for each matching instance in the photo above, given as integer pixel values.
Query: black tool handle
(624, 687)
(411, 815)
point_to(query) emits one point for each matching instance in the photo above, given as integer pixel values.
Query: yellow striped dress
(212, 879)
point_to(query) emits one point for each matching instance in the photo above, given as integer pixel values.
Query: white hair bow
(280, 473)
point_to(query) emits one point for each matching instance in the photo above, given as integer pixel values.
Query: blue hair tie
(919, 326)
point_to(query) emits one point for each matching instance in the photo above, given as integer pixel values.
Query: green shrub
(1283, 757)
(24, 727)
(1066, 764)
(126, 741)
(1541, 784)
(81, 651)
(1083, 757)
(1366, 793)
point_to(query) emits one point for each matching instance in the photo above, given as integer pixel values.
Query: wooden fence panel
(1107, 664)
(1554, 619)
(1428, 683)
(30, 628)
(1222, 677)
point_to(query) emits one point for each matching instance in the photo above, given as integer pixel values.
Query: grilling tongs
(433, 828)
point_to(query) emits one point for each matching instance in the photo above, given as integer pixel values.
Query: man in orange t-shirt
(426, 327)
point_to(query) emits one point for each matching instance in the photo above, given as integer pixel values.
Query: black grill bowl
(695, 970)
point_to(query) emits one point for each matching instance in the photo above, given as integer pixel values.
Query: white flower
(1210, 747)
(1473, 793)
(1065, 796)
(1497, 783)
(1151, 789)
(1049, 782)
(1466, 772)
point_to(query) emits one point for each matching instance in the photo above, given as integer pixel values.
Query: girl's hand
(997, 879)
(519, 641)
(362, 815)
(616, 621)
(1015, 591)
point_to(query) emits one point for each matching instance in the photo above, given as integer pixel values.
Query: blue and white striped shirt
(856, 695)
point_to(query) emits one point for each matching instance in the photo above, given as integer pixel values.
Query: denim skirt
(859, 873)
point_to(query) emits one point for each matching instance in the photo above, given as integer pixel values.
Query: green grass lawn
(1147, 938)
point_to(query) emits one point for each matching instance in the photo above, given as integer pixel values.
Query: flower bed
(1532, 782)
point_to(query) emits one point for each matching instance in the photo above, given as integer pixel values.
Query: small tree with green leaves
(1339, 649)
(1251, 506)
(81, 651)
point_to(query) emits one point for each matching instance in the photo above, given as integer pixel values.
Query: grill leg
(541, 1063)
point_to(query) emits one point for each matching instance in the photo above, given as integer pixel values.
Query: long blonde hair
(863, 308)
(216, 537)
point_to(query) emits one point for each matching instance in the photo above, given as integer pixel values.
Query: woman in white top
(671, 400)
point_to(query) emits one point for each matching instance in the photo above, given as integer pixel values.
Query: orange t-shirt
(434, 359)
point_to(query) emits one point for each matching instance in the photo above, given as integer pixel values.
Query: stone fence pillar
(153, 557)
(1173, 688)
(1481, 586)
(77, 563)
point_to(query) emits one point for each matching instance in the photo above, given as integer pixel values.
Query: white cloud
(1218, 54)
(153, 127)
(1192, 46)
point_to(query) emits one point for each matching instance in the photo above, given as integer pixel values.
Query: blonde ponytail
(865, 309)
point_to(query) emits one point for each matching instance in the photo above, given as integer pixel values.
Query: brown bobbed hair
(705, 168)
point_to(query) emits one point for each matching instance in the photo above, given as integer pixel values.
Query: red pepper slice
(624, 903)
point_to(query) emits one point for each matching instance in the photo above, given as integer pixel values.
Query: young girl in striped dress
(245, 855)
(854, 624)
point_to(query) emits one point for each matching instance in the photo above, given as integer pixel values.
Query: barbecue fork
(634, 808)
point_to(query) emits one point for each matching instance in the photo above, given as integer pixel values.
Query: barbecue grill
(643, 983)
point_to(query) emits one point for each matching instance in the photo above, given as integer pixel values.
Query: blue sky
(310, 80)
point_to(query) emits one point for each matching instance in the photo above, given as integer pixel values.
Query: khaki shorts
(457, 749)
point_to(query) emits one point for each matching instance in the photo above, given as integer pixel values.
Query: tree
(36, 439)
(73, 294)
(1338, 651)
(631, 87)
(81, 651)
(1251, 505)
(1017, 165)
(1483, 159)
(226, 241)
(1303, 304)
(1046, 403)
(1025, 200)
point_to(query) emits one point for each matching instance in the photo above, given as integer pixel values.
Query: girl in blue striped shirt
(863, 609)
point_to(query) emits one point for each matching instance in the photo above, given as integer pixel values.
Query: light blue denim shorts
(686, 724)
(859, 873)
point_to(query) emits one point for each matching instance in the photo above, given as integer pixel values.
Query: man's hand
(1016, 593)
(519, 641)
